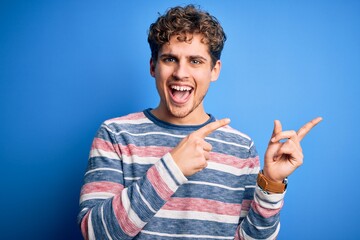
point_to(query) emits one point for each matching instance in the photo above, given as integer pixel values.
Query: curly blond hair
(184, 22)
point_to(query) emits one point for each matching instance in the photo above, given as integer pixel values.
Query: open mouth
(180, 94)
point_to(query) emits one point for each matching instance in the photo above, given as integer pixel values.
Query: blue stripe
(257, 220)
(104, 175)
(98, 226)
(218, 177)
(191, 226)
(135, 170)
(90, 203)
(103, 162)
(138, 205)
(104, 134)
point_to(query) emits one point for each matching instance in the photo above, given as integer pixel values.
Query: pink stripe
(153, 151)
(99, 143)
(234, 161)
(103, 186)
(159, 185)
(122, 216)
(265, 212)
(203, 205)
(148, 151)
(84, 226)
(246, 205)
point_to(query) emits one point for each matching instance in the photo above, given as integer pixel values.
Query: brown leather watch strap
(270, 186)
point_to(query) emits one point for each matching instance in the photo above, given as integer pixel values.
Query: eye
(169, 59)
(196, 61)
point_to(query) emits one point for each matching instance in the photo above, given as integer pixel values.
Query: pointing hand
(282, 158)
(192, 153)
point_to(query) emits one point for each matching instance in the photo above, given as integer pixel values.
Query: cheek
(203, 79)
(163, 73)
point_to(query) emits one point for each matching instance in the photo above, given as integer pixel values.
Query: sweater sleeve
(262, 219)
(108, 210)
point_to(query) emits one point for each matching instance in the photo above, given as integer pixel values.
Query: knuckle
(204, 164)
(197, 141)
(193, 138)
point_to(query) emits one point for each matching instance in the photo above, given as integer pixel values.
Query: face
(183, 73)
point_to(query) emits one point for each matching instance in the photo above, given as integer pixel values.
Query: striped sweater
(134, 190)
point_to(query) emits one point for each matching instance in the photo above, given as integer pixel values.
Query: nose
(181, 71)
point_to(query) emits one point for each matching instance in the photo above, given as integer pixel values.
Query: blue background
(66, 66)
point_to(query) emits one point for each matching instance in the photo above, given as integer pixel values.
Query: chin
(180, 112)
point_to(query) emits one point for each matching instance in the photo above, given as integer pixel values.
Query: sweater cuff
(170, 172)
(269, 201)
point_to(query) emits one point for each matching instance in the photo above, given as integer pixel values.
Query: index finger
(307, 127)
(211, 127)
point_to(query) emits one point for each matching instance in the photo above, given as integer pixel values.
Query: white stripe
(174, 168)
(260, 227)
(104, 169)
(243, 213)
(84, 210)
(144, 200)
(139, 160)
(127, 121)
(185, 235)
(270, 201)
(96, 195)
(164, 174)
(130, 212)
(126, 159)
(150, 133)
(132, 178)
(216, 185)
(103, 222)
(205, 216)
(101, 153)
(91, 233)
(228, 169)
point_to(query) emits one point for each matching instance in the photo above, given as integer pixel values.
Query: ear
(215, 71)
(152, 67)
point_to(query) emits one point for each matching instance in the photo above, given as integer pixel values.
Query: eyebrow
(189, 57)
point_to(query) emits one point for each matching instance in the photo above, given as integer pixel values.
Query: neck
(193, 118)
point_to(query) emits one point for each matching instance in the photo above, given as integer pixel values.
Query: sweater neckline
(168, 125)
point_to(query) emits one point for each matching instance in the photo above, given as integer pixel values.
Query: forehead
(190, 44)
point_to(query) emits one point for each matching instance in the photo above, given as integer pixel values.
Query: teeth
(181, 88)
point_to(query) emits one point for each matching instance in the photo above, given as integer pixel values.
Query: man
(175, 172)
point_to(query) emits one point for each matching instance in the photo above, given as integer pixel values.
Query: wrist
(268, 176)
(269, 185)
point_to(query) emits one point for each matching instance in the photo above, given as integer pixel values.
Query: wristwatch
(270, 186)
